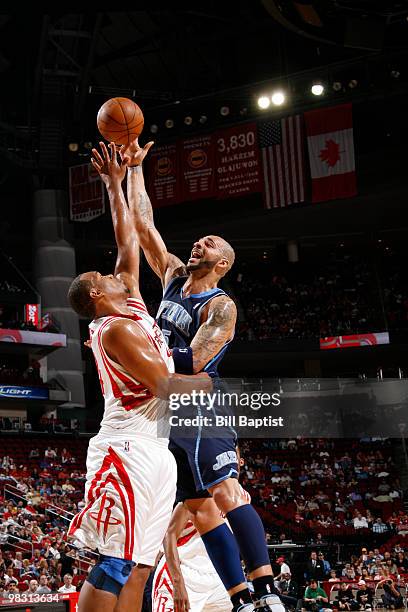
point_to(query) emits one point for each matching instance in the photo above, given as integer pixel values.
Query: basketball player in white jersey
(185, 579)
(131, 474)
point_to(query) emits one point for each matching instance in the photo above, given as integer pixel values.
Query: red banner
(197, 163)
(86, 193)
(32, 314)
(164, 180)
(372, 339)
(238, 166)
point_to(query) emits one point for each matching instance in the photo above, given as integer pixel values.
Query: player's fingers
(97, 156)
(122, 151)
(105, 152)
(112, 147)
(148, 145)
(96, 165)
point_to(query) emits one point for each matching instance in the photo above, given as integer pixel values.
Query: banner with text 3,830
(238, 168)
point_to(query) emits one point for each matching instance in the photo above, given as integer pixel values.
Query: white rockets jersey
(191, 549)
(128, 404)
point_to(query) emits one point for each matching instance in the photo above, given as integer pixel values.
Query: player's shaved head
(226, 251)
(79, 296)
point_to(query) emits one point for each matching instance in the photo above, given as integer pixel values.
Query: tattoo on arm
(145, 208)
(215, 332)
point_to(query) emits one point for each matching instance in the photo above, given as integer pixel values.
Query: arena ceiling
(167, 54)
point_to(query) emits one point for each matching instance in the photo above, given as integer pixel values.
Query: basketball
(120, 120)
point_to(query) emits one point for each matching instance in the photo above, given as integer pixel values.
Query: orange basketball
(120, 120)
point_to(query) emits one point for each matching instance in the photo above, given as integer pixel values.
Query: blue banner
(34, 393)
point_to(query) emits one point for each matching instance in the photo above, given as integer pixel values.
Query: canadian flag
(331, 152)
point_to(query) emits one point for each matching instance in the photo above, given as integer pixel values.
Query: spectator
(345, 599)
(288, 590)
(360, 521)
(284, 567)
(43, 585)
(315, 597)
(33, 586)
(379, 526)
(315, 568)
(50, 453)
(326, 564)
(333, 576)
(68, 587)
(9, 577)
(391, 597)
(364, 596)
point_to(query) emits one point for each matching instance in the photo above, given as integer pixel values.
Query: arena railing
(20, 547)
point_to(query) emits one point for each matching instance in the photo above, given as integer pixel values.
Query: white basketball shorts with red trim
(205, 590)
(129, 494)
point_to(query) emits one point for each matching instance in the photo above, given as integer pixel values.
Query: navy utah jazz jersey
(179, 317)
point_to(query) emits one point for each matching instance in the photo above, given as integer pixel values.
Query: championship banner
(373, 339)
(197, 163)
(17, 392)
(20, 336)
(86, 193)
(164, 179)
(238, 166)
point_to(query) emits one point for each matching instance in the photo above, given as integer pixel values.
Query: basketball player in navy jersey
(131, 475)
(198, 320)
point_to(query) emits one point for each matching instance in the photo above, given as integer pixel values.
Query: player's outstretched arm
(164, 264)
(112, 173)
(177, 523)
(214, 332)
(128, 345)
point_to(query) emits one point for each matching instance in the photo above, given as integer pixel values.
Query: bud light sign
(15, 392)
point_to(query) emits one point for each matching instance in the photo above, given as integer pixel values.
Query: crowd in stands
(314, 490)
(351, 584)
(341, 295)
(41, 487)
(305, 302)
(326, 486)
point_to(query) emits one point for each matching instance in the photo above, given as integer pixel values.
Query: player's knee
(227, 495)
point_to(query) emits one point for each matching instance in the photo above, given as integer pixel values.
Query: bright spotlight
(263, 102)
(278, 98)
(317, 89)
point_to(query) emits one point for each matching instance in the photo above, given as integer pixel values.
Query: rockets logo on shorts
(104, 516)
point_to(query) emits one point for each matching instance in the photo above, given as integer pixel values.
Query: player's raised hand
(133, 154)
(107, 164)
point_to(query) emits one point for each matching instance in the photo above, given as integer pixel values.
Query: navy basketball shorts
(205, 455)
(202, 463)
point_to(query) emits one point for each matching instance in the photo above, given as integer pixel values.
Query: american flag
(281, 143)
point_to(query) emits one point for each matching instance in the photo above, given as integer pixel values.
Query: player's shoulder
(223, 304)
(120, 327)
